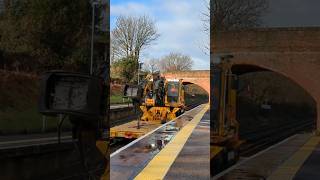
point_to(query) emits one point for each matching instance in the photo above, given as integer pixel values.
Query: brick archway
(199, 77)
(291, 52)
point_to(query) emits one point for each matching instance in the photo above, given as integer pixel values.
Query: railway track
(119, 143)
(262, 138)
(22, 141)
(130, 118)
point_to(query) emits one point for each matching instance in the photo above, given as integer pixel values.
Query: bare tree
(206, 16)
(236, 14)
(176, 62)
(152, 65)
(131, 35)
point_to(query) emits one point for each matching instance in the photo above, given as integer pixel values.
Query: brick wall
(292, 52)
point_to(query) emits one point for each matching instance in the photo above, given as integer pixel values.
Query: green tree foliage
(47, 34)
(130, 36)
(125, 69)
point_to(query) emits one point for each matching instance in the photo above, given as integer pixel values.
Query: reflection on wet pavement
(130, 161)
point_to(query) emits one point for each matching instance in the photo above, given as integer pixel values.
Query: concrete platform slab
(193, 161)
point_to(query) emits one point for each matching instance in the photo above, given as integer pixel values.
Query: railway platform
(178, 149)
(17, 141)
(119, 106)
(297, 157)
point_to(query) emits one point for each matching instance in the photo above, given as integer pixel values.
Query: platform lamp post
(93, 3)
(139, 68)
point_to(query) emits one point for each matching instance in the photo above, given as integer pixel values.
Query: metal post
(139, 68)
(61, 119)
(139, 119)
(138, 72)
(92, 34)
(44, 123)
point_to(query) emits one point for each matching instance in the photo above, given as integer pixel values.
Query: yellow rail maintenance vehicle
(225, 142)
(159, 100)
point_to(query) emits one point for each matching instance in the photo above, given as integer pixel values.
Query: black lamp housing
(71, 94)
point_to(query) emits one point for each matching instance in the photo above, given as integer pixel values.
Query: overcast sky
(179, 23)
(289, 13)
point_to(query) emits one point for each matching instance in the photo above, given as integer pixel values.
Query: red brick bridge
(291, 52)
(198, 77)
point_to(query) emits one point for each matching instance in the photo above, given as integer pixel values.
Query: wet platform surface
(297, 157)
(193, 161)
(131, 130)
(128, 162)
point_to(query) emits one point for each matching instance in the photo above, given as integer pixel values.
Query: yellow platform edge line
(161, 163)
(290, 167)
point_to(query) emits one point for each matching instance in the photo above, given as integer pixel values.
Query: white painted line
(30, 145)
(33, 140)
(135, 141)
(203, 122)
(251, 157)
(202, 126)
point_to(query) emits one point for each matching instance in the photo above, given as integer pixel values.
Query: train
(158, 100)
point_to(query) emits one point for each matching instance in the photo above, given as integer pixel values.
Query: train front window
(173, 91)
